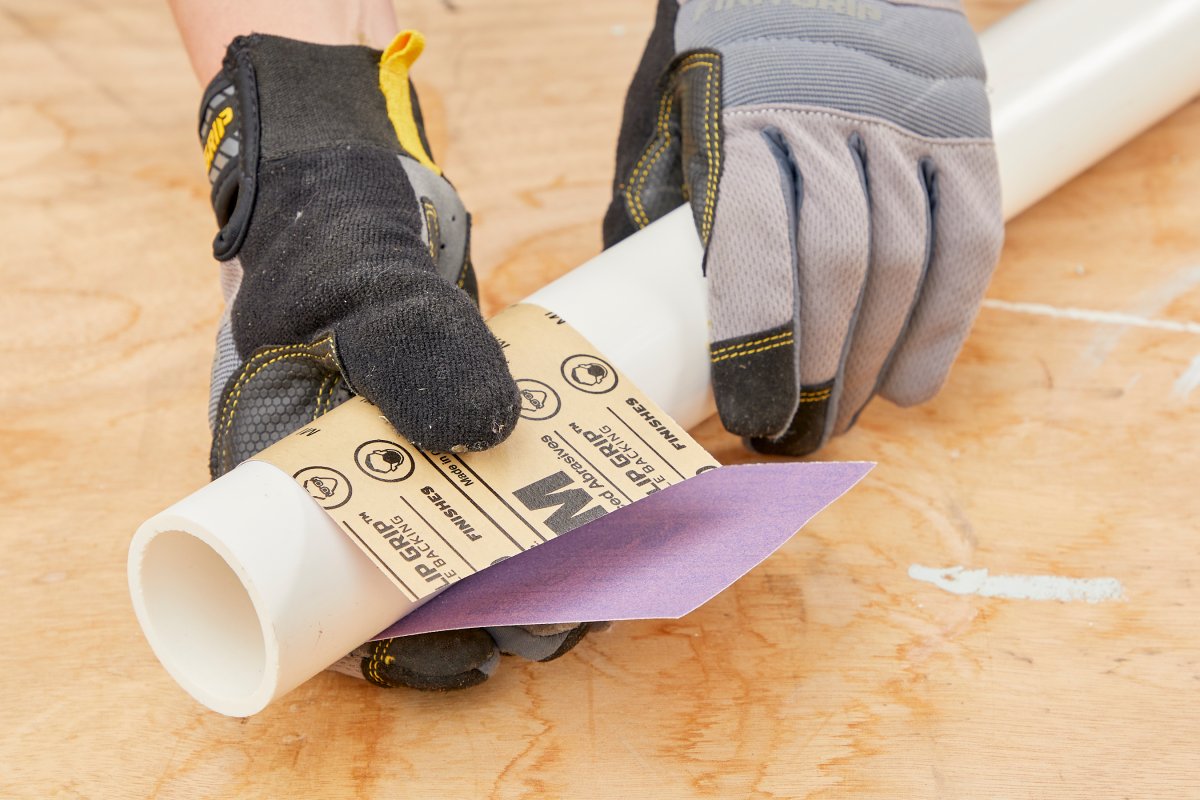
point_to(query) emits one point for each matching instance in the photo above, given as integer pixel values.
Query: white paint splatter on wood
(963, 581)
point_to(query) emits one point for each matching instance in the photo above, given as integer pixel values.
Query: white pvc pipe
(655, 326)
(246, 588)
(1072, 80)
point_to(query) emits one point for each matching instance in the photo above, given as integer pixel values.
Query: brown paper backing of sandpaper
(588, 442)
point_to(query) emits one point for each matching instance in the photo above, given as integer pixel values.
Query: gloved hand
(345, 266)
(838, 160)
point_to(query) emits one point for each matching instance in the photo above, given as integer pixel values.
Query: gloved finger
(901, 185)
(833, 254)
(435, 661)
(750, 263)
(418, 348)
(276, 391)
(968, 235)
(541, 642)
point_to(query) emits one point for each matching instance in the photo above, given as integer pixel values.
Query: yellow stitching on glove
(379, 657)
(661, 142)
(393, 82)
(739, 354)
(325, 396)
(712, 96)
(763, 340)
(247, 374)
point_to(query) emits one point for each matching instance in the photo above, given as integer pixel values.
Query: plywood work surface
(1065, 444)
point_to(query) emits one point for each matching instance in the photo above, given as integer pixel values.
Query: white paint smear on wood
(1093, 315)
(963, 581)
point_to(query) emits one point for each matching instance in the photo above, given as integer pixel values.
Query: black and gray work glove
(345, 266)
(839, 164)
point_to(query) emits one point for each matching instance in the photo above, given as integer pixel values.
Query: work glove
(345, 266)
(838, 161)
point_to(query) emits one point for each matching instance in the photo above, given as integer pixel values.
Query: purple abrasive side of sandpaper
(658, 558)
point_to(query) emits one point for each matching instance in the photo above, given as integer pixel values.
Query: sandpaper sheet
(661, 557)
(598, 507)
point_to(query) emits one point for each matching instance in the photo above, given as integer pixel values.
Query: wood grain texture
(1058, 447)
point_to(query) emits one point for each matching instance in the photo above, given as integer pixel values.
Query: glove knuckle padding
(872, 283)
(918, 68)
(346, 243)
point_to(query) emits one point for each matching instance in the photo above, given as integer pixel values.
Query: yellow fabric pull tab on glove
(399, 56)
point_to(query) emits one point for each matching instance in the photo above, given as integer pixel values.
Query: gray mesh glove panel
(838, 161)
(345, 267)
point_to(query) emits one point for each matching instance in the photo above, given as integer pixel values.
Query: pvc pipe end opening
(202, 623)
